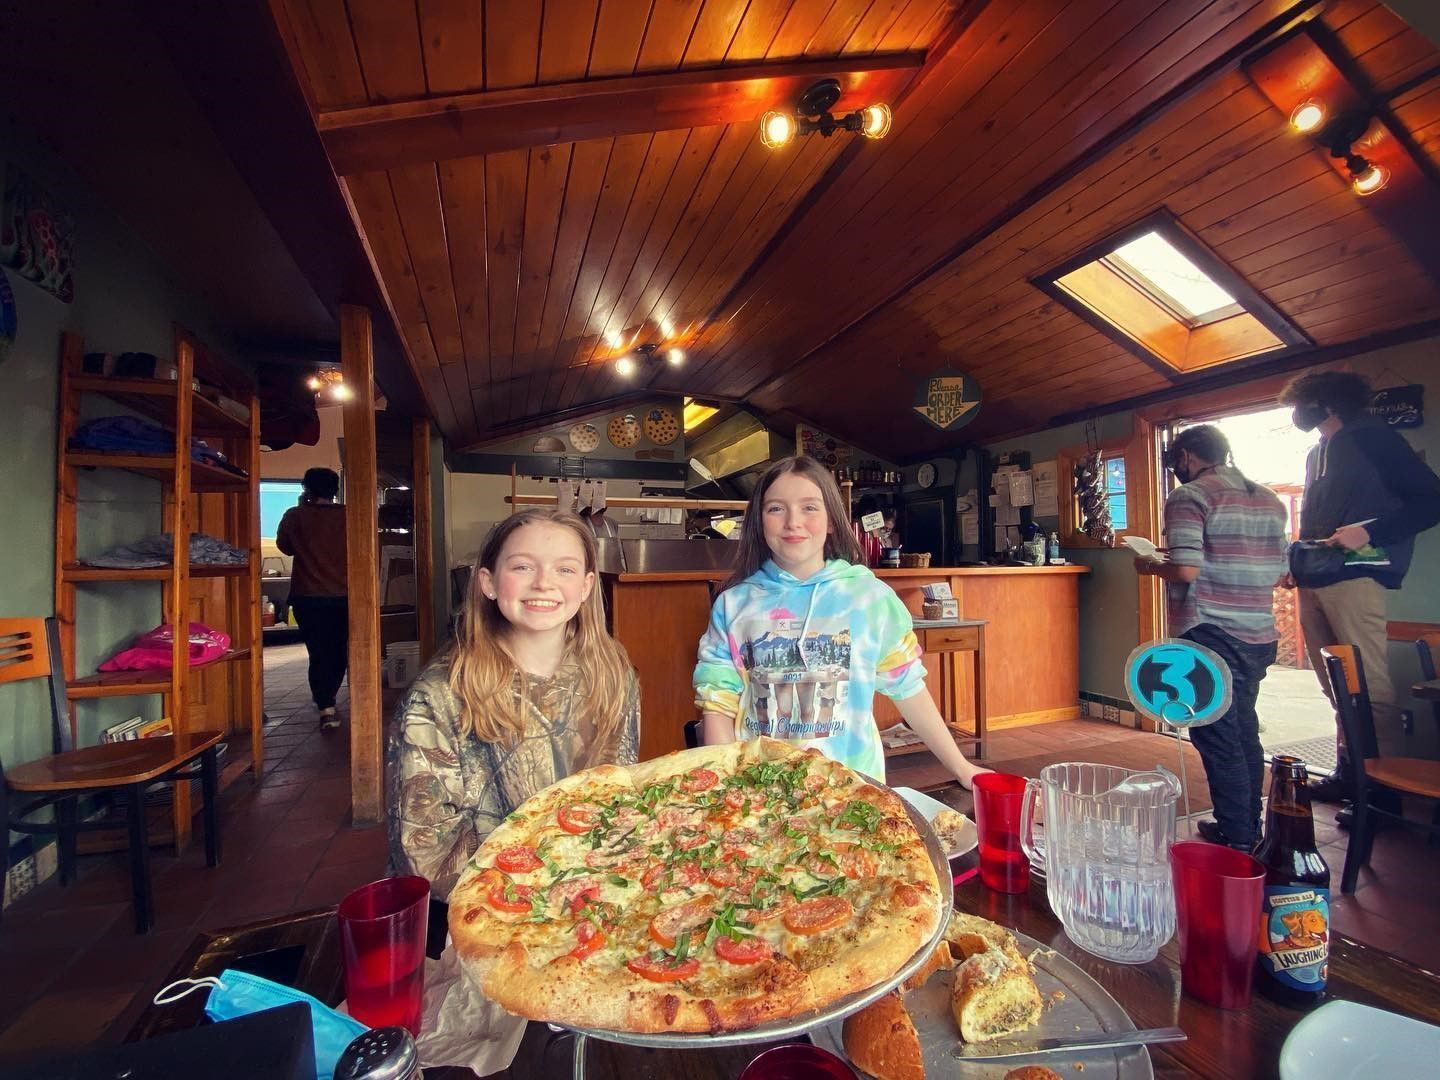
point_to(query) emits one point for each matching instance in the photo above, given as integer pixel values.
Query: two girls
(533, 690)
(802, 635)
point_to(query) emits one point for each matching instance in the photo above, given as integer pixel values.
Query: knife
(1004, 1050)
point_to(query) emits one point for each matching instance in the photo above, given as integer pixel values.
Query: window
(1160, 293)
(1115, 491)
(276, 496)
(696, 414)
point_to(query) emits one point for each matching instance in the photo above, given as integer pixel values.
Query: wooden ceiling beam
(379, 137)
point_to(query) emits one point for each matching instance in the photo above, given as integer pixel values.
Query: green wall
(124, 302)
(1108, 595)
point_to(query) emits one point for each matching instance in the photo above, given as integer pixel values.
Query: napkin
(460, 1025)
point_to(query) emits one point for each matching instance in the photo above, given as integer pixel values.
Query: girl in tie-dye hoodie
(803, 635)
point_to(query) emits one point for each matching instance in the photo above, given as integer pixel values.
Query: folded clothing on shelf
(155, 551)
(152, 649)
(145, 437)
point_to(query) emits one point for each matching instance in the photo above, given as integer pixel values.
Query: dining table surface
(302, 950)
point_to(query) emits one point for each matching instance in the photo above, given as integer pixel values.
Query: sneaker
(328, 720)
(1333, 789)
(1210, 831)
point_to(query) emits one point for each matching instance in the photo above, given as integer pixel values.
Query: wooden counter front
(1032, 642)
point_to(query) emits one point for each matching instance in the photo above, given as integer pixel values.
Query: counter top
(906, 572)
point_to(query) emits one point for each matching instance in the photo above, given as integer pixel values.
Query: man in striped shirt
(1227, 542)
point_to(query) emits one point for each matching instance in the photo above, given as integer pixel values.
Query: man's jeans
(1230, 748)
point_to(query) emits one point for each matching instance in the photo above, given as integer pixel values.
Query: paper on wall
(1022, 491)
(1047, 489)
(970, 528)
(1001, 539)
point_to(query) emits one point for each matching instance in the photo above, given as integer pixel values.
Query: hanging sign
(1399, 406)
(949, 399)
(1177, 682)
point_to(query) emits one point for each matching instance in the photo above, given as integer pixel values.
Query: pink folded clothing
(152, 650)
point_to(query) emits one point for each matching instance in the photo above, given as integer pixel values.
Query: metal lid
(382, 1054)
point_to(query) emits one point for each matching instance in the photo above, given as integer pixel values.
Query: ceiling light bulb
(777, 129)
(625, 367)
(313, 382)
(1371, 180)
(612, 338)
(341, 392)
(676, 357)
(667, 328)
(1307, 116)
(875, 121)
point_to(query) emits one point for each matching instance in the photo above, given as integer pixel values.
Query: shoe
(1210, 831)
(1346, 817)
(328, 720)
(1333, 789)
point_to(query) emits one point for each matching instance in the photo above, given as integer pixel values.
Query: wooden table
(1427, 691)
(303, 950)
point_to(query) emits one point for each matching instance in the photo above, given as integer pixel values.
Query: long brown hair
(482, 668)
(840, 542)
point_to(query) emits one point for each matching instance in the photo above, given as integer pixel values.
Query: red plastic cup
(797, 1061)
(1218, 893)
(382, 942)
(1003, 865)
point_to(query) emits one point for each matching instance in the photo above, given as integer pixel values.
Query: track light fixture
(1340, 137)
(329, 383)
(629, 364)
(812, 113)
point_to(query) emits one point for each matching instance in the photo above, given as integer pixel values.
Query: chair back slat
(23, 650)
(1352, 701)
(1428, 648)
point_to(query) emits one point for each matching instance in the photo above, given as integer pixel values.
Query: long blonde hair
(482, 668)
(840, 542)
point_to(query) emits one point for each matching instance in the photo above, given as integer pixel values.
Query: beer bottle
(1294, 942)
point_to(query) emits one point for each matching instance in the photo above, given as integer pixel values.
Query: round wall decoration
(584, 437)
(661, 427)
(624, 431)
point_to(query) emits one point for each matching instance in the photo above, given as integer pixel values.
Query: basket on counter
(917, 560)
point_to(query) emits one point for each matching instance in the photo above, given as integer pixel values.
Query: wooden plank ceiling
(823, 280)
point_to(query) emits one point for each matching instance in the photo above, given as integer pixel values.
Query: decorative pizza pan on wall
(661, 426)
(584, 437)
(624, 431)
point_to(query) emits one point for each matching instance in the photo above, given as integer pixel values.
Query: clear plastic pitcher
(1107, 855)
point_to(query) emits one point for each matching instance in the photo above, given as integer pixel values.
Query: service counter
(1029, 663)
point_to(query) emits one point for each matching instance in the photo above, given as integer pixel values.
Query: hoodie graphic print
(802, 660)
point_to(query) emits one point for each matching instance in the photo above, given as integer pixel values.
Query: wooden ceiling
(534, 179)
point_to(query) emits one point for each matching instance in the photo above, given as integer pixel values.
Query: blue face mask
(238, 993)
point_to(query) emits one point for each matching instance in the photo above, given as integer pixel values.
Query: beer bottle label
(1295, 935)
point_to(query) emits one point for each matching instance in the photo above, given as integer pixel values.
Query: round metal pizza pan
(798, 1025)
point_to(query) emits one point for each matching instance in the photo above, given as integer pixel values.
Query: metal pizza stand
(780, 1030)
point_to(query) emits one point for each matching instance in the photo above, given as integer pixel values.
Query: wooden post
(424, 550)
(357, 362)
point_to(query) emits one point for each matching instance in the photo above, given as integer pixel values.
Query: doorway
(1295, 717)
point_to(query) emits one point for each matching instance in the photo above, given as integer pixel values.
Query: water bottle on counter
(1053, 554)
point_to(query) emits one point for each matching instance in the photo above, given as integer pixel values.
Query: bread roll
(950, 828)
(881, 1039)
(1033, 1072)
(940, 960)
(994, 994)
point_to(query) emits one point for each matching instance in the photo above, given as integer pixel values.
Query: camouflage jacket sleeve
(629, 751)
(443, 800)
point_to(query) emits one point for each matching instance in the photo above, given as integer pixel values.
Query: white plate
(1074, 1003)
(929, 807)
(1342, 1039)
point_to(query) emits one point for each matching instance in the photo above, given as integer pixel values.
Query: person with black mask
(1226, 542)
(1366, 491)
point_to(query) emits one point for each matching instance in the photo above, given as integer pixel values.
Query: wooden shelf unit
(194, 495)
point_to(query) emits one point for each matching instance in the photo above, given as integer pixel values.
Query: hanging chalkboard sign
(1399, 406)
(949, 399)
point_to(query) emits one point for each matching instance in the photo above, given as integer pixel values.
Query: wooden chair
(30, 649)
(1371, 773)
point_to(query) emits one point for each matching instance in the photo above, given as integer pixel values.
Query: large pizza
(712, 889)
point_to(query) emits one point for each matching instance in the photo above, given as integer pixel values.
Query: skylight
(1155, 288)
(1155, 265)
(696, 414)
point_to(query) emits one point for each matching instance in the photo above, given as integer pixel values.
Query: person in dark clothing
(1226, 540)
(1366, 490)
(313, 534)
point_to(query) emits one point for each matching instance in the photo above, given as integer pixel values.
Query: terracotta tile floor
(72, 971)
